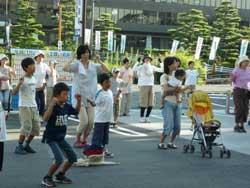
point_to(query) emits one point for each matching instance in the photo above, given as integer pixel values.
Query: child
(191, 76)
(176, 82)
(28, 114)
(56, 117)
(115, 88)
(103, 117)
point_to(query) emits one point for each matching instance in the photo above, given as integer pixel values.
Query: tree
(68, 22)
(227, 26)
(105, 24)
(26, 31)
(191, 25)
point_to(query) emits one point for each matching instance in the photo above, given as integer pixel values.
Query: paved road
(142, 164)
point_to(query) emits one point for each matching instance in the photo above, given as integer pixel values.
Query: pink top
(241, 78)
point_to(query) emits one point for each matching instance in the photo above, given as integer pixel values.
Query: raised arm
(104, 68)
(50, 109)
(16, 89)
(157, 69)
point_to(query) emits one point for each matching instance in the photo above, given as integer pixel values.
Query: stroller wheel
(185, 148)
(228, 154)
(221, 154)
(192, 148)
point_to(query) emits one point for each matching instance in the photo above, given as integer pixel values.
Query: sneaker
(242, 129)
(28, 149)
(142, 120)
(108, 154)
(60, 178)
(48, 182)
(236, 128)
(162, 146)
(79, 145)
(20, 150)
(172, 146)
(148, 120)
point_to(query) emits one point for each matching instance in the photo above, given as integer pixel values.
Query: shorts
(30, 121)
(146, 96)
(101, 135)
(86, 117)
(61, 149)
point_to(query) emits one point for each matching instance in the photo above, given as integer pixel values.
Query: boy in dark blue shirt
(56, 117)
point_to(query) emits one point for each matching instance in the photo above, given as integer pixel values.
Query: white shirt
(145, 74)
(84, 81)
(51, 82)
(40, 73)
(174, 82)
(191, 77)
(3, 133)
(104, 106)
(27, 93)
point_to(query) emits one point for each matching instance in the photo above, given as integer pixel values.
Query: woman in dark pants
(41, 71)
(241, 93)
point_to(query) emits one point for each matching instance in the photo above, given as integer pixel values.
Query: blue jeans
(171, 114)
(61, 149)
(4, 98)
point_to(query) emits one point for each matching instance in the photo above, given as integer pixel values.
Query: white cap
(241, 59)
(3, 56)
(115, 70)
(39, 52)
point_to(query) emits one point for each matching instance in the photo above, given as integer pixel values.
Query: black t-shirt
(56, 126)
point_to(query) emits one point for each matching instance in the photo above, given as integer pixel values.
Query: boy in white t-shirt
(103, 116)
(28, 112)
(191, 76)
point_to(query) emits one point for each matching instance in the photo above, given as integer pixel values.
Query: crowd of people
(100, 105)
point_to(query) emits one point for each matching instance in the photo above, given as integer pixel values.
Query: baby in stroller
(206, 129)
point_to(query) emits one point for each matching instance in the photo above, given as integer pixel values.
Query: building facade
(136, 18)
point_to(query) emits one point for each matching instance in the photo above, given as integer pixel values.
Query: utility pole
(84, 19)
(92, 24)
(59, 26)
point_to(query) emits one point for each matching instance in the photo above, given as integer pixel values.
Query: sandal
(162, 146)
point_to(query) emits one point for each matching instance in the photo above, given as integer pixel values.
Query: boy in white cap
(41, 69)
(115, 88)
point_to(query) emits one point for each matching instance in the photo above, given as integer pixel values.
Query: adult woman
(241, 93)
(126, 75)
(85, 84)
(145, 73)
(5, 85)
(171, 110)
(42, 69)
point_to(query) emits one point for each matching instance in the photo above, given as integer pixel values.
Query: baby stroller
(205, 128)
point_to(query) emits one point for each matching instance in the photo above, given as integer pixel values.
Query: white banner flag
(243, 48)
(214, 47)
(198, 48)
(87, 36)
(149, 42)
(110, 40)
(123, 43)
(175, 45)
(97, 40)
(78, 18)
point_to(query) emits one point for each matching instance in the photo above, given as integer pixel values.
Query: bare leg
(162, 138)
(65, 167)
(53, 168)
